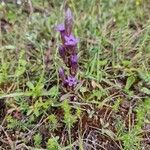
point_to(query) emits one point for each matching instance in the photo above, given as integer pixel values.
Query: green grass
(112, 109)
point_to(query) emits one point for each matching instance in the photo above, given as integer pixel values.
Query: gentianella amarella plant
(68, 52)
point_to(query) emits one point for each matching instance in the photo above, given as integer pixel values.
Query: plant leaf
(130, 81)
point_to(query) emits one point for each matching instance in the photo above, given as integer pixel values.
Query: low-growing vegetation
(99, 100)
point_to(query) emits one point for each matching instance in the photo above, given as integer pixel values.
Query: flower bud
(61, 29)
(62, 53)
(62, 74)
(68, 22)
(74, 64)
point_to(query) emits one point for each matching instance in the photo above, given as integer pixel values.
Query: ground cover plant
(106, 107)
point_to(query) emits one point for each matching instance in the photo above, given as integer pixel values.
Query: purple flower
(68, 22)
(71, 40)
(60, 28)
(68, 52)
(62, 74)
(71, 81)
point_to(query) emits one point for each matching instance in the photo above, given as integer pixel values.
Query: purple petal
(71, 40)
(71, 81)
(60, 27)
